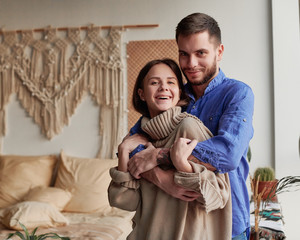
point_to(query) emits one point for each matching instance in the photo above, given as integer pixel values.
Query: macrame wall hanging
(51, 73)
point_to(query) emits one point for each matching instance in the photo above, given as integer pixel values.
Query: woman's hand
(128, 144)
(179, 153)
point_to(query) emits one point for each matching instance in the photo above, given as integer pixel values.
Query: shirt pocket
(213, 122)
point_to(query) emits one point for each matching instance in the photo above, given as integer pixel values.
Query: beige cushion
(32, 215)
(87, 179)
(18, 174)
(56, 196)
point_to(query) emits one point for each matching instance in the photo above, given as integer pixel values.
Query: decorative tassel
(2, 123)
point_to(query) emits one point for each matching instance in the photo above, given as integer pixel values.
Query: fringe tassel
(2, 123)
(1, 141)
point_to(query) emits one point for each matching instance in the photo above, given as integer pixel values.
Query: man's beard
(207, 77)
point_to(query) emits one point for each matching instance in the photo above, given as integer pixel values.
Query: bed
(62, 194)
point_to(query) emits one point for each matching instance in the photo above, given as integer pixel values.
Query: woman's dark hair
(199, 22)
(141, 106)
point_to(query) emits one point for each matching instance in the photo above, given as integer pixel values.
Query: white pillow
(32, 214)
(56, 196)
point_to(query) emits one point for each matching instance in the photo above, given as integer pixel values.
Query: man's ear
(141, 94)
(220, 51)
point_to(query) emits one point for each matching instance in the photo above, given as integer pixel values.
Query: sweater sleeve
(214, 188)
(123, 191)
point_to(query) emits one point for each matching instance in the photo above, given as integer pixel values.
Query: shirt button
(194, 107)
(245, 120)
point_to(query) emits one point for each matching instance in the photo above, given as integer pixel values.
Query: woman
(158, 95)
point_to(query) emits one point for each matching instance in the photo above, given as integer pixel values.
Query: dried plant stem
(257, 200)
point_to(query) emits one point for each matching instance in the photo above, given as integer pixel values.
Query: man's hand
(143, 161)
(165, 181)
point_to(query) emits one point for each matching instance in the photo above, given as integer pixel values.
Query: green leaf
(33, 232)
(33, 236)
(51, 235)
(25, 230)
(12, 234)
(20, 235)
(9, 236)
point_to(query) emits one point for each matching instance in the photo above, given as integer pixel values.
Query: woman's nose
(163, 86)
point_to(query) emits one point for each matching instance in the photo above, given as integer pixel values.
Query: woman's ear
(141, 94)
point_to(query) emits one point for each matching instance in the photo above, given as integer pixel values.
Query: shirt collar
(213, 84)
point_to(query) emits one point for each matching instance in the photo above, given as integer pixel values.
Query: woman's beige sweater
(159, 216)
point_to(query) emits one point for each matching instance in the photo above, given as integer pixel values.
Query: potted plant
(33, 235)
(265, 178)
(285, 184)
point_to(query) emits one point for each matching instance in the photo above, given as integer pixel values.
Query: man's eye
(201, 53)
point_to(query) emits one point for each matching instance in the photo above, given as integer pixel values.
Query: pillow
(56, 196)
(87, 179)
(18, 174)
(33, 214)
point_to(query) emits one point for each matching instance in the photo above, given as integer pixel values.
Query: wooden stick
(87, 27)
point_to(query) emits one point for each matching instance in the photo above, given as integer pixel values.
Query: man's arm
(165, 181)
(147, 159)
(151, 157)
(234, 131)
(161, 178)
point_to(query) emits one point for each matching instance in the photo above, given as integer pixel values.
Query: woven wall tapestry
(139, 53)
(51, 71)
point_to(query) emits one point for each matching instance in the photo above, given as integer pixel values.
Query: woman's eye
(153, 82)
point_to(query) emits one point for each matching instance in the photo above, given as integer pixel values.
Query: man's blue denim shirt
(226, 108)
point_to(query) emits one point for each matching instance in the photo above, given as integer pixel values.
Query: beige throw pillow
(87, 179)
(32, 215)
(21, 173)
(56, 196)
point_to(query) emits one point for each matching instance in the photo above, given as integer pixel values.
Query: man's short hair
(199, 22)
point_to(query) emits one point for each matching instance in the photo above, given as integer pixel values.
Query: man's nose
(192, 62)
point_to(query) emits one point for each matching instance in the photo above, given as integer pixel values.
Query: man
(224, 105)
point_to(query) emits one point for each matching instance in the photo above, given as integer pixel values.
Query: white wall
(286, 44)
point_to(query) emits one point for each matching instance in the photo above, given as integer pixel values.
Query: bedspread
(82, 226)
